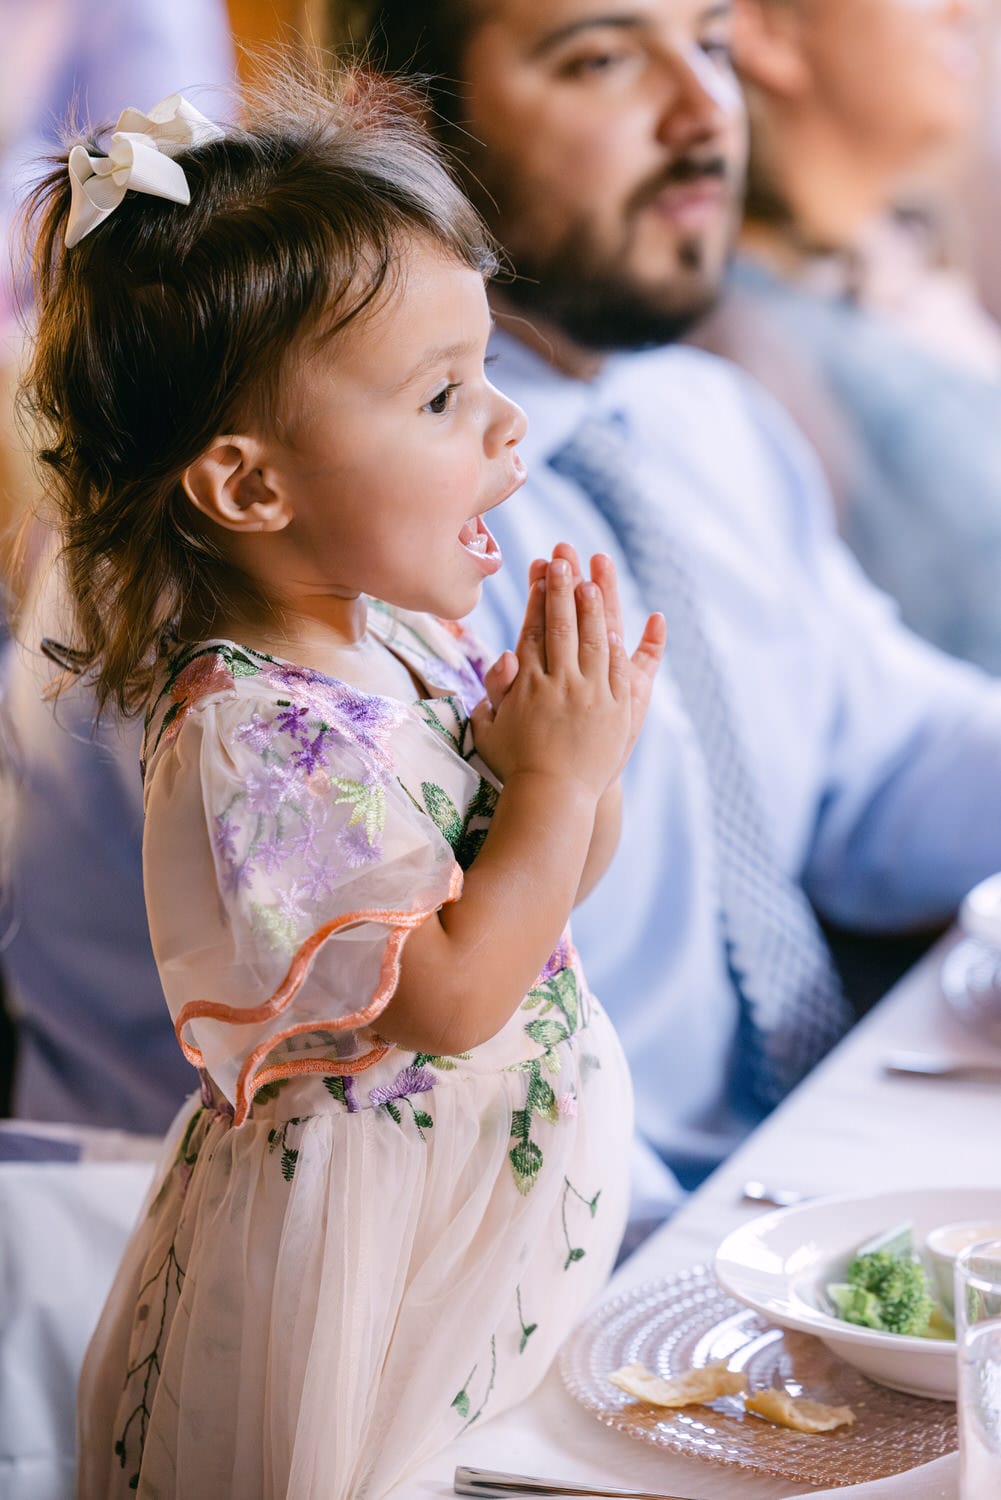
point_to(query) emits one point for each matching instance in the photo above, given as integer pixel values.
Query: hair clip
(63, 656)
(138, 160)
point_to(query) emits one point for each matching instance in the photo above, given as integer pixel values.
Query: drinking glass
(978, 1342)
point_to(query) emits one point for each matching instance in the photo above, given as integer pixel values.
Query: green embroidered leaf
(547, 1033)
(393, 1111)
(368, 802)
(461, 1404)
(134, 1482)
(335, 1086)
(526, 1334)
(469, 846)
(443, 811)
(576, 1254)
(268, 1091)
(278, 929)
(542, 1100)
(424, 1120)
(483, 803)
(526, 1163)
(289, 1158)
(241, 666)
(119, 1448)
(519, 1123)
(593, 1205)
(436, 723)
(563, 987)
(428, 1060)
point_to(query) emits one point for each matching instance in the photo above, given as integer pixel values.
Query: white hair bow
(138, 159)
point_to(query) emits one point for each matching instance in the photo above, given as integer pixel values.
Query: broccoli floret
(854, 1305)
(891, 1289)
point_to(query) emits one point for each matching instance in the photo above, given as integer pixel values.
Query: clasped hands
(569, 701)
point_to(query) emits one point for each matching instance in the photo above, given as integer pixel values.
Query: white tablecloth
(847, 1129)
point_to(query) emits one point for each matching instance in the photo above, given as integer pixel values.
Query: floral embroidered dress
(352, 1252)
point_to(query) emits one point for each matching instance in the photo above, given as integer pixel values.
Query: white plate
(780, 1264)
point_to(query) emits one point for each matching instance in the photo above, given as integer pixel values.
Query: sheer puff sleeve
(285, 865)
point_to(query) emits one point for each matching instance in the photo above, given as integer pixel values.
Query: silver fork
(489, 1485)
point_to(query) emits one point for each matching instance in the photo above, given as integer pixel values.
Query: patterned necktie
(793, 1008)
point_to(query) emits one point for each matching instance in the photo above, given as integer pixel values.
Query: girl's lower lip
(481, 546)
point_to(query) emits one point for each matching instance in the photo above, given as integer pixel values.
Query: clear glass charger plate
(686, 1321)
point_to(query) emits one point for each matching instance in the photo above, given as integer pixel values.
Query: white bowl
(945, 1243)
(780, 1264)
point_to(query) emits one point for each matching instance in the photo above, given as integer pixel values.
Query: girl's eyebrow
(441, 356)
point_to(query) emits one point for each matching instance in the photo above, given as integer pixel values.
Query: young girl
(260, 361)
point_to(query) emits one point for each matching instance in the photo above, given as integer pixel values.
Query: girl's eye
(440, 404)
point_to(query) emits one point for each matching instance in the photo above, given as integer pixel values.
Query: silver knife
(917, 1065)
(489, 1485)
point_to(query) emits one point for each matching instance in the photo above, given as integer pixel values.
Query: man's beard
(587, 291)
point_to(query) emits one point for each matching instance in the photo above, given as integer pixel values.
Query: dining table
(850, 1128)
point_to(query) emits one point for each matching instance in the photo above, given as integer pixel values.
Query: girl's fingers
(537, 570)
(650, 651)
(500, 677)
(619, 669)
(531, 648)
(561, 619)
(591, 630)
(603, 573)
(568, 552)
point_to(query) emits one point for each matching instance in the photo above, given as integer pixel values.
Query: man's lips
(692, 205)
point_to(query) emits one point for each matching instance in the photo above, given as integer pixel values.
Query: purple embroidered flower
(319, 881)
(303, 843)
(408, 1081)
(225, 838)
(289, 904)
(258, 733)
(558, 960)
(459, 680)
(293, 721)
(353, 844)
(311, 757)
(270, 855)
(267, 788)
(237, 876)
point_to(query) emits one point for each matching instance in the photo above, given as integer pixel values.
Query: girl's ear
(231, 484)
(768, 46)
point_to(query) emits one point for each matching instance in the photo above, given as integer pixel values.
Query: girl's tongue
(477, 540)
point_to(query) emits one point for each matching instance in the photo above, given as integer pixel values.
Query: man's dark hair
(425, 38)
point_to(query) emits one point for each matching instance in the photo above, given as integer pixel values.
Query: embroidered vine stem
(170, 1269)
(462, 1403)
(526, 1332)
(575, 1252)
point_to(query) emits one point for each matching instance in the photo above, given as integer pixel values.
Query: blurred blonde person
(852, 102)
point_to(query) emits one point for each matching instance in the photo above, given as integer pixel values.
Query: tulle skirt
(314, 1304)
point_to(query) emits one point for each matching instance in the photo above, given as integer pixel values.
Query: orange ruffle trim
(252, 1076)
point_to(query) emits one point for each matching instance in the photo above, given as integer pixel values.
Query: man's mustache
(681, 173)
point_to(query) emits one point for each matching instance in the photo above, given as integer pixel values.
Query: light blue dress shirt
(878, 759)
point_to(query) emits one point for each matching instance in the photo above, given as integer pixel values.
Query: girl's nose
(508, 425)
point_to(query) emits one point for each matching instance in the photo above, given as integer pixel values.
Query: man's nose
(696, 101)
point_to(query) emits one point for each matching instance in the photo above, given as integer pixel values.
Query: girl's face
(899, 75)
(397, 444)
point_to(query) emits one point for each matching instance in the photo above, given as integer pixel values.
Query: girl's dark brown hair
(167, 326)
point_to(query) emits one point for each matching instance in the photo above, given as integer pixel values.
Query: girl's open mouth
(477, 540)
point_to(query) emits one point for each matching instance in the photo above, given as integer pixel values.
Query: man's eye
(719, 50)
(440, 404)
(593, 63)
